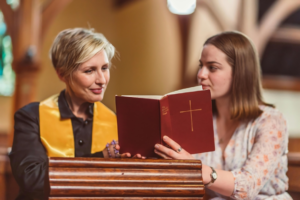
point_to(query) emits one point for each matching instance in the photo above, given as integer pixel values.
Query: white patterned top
(257, 157)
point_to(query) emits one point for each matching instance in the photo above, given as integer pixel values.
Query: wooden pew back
(99, 178)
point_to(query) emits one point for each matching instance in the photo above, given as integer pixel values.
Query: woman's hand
(139, 156)
(112, 151)
(174, 152)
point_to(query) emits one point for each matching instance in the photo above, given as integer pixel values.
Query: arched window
(7, 75)
(281, 55)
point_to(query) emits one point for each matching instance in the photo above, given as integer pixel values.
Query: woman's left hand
(112, 151)
(128, 155)
(174, 152)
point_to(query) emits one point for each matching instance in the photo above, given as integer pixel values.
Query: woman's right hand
(174, 152)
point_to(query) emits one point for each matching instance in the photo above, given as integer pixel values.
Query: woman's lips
(97, 91)
(205, 87)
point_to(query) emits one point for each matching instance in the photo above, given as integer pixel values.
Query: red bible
(184, 115)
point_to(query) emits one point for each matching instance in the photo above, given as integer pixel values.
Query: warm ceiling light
(182, 7)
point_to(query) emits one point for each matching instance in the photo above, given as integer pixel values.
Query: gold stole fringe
(57, 134)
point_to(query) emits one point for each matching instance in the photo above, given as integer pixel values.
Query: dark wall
(280, 58)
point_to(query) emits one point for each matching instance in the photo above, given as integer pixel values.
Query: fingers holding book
(112, 151)
(139, 156)
(173, 152)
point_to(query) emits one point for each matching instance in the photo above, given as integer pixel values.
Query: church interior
(158, 52)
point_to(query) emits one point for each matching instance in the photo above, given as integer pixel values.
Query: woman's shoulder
(33, 108)
(30, 110)
(270, 114)
(269, 111)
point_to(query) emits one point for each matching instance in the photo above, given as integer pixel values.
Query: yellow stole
(57, 134)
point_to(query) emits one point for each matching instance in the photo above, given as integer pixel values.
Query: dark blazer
(28, 158)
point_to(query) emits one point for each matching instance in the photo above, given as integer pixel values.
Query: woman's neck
(223, 106)
(225, 125)
(76, 105)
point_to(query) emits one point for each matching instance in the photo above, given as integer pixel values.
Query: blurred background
(159, 44)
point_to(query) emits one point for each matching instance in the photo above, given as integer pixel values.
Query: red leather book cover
(184, 117)
(138, 125)
(188, 117)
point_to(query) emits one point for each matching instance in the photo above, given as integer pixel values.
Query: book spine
(165, 118)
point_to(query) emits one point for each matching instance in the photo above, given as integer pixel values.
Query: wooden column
(27, 26)
(24, 26)
(184, 27)
(26, 48)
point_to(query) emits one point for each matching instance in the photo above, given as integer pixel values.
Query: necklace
(221, 141)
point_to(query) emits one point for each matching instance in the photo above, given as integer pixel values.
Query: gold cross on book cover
(144, 119)
(191, 114)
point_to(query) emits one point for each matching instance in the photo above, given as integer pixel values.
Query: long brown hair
(246, 95)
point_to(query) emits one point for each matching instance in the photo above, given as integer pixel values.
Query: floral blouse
(257, 157)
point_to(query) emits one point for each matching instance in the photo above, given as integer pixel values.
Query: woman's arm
(225, 181)
(270, 144)
(28, 156)
(266, 161)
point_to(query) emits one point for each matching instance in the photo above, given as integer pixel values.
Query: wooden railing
(100, 178)
(9, 188)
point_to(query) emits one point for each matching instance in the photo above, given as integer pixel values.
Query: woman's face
(215, 74)
(90, 80)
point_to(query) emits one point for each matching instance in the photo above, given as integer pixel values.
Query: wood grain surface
(97, 178)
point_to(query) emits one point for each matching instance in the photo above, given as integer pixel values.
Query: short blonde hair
(73, 47)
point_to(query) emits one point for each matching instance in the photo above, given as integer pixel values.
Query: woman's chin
(94, 99)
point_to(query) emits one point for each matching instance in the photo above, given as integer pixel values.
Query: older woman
(73, 123)
(251, 137)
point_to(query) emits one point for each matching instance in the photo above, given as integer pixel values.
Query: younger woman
(251, 137)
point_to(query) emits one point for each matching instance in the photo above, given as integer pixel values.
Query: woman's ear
(59, 74)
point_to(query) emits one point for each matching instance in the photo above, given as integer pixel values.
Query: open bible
(183, 115)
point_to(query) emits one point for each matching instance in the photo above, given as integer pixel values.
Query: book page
(190, 89)
(144, 96)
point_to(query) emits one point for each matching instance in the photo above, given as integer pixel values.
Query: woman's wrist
(110, 150)
(105, 153)
(206, 171)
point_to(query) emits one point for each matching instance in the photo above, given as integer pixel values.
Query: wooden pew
(98, 178)
(8, 186)
(294, 174)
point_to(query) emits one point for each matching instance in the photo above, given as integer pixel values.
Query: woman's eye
(212, 68)
(88, 71)
(104, 67)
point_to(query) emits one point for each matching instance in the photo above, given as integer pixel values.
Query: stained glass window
(7, 75)
(13, 3)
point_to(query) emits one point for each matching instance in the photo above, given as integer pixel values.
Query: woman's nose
(202, 73)
(100, 79)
